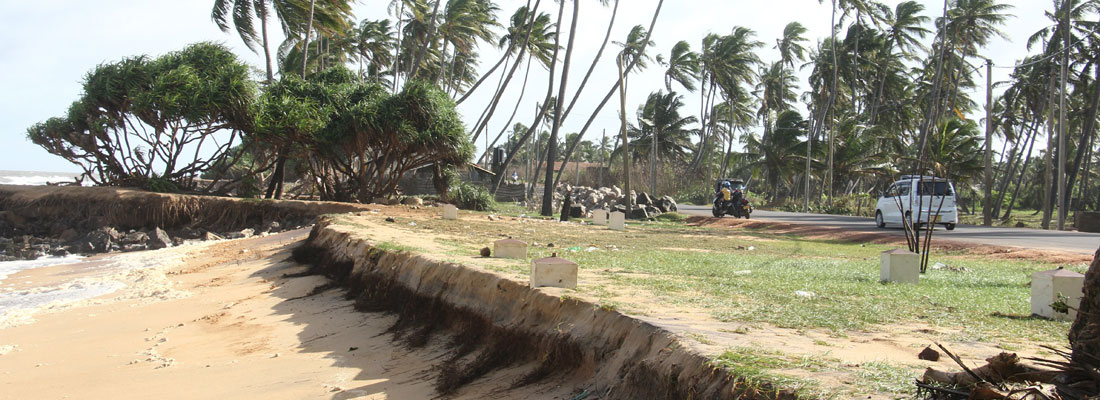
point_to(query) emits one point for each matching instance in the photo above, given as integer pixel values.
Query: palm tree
(682, 66)
(775, 91)
(291, 14)
(790, 45)
(726, 63)
(660, 117)
(373, 40)
(779, 152)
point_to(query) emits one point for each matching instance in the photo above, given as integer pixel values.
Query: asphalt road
(1075, 242)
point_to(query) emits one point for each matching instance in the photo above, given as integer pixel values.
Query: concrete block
(450, 211)
(510, 248)
(1045, 287)
(900, 265)
(617, 221)
(599, 217)
(554, 272)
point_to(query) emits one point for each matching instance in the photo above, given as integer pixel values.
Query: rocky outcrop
(610, 198)
(492, 322)
(36, 221)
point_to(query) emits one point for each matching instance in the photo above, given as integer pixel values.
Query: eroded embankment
(39, 210)
(491, 322)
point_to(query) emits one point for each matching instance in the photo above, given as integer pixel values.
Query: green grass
(705, 268)
(755, 367)
(1029, 218)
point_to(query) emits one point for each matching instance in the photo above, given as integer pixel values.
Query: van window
(940, 189)
(903, 189)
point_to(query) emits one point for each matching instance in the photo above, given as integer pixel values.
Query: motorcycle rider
(726, 195)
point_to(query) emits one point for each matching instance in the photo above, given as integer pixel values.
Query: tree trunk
(626, 72)
(1084, 334)
(596, 60)
(305, 45)
(555, 124)
(1086, 138)
(522, 92)
(267, 50)
(427, 43)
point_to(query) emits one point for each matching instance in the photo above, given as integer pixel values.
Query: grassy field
(752, 277)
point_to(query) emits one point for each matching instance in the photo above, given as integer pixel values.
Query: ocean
(89, 279)
(35, 178)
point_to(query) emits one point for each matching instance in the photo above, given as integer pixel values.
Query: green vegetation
(142, 118)
(753, 277)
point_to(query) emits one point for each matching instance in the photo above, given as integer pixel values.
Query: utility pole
(987, 204)
(626, 144)
(1062, 203)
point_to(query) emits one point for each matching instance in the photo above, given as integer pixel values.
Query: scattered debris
(740, 273)
(805, 294)
(942, 266)
(412, 223)
(390, 219)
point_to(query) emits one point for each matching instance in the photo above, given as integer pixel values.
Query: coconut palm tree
(660, 118)
(373, 41)
(682, 66)
(292, 16)
(726, 63)
(791, 46)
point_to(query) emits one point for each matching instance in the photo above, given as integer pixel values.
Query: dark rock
(639, 213)
(644, 198)
(272, 226)
(485, 252)
(566, 209)
(59, 252)
(652, 211)
(390, 219)
(667, 204)
(929, 354)
(577, 211)
(114, 234)
(99, 240)
(134, 238)
(159, 239)
(134, 247)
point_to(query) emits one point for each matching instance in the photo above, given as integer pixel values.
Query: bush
(470, 197)
(699, 195)
(160, 185)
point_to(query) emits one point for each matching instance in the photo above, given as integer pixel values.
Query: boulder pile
(585, 199)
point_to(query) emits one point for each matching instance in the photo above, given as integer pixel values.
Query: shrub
(470, 197)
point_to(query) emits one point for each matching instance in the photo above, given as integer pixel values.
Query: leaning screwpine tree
(356, 138)
(156, 122)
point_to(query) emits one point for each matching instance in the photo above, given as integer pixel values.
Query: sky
(53, 44)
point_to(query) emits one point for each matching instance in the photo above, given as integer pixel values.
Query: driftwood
(1002, 368)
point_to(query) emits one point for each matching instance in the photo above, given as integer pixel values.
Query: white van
(933, 196)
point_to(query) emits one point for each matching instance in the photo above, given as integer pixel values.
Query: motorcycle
(738, 206)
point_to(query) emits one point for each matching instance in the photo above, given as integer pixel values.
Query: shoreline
(247, 329)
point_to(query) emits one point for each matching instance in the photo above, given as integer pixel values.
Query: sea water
(128, 276)
(35, 178)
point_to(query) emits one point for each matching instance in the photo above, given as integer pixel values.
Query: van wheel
(879, 222)
(949, 227)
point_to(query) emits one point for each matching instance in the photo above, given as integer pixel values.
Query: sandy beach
(227, 324)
